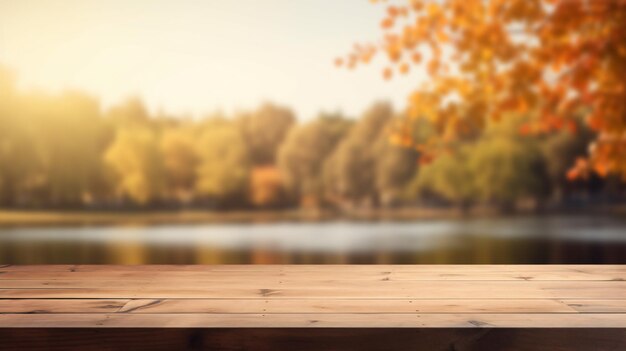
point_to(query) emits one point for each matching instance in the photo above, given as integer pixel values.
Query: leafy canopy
(486, 58)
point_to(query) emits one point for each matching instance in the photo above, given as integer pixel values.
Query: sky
(197, 57)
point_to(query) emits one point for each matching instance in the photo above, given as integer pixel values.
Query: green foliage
(19, 161)
(350, 172)
(395, 167)
(499, 168)
(224, 165)
(448, 177)
(61, 150)
(180, 160)
(301, 157)
(68, 132)
(504, 170)
(264, 130)
(560, 151)
(135, 161)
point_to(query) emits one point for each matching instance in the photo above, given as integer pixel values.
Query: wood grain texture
(306, 320)
(148, 306)
(314, 296)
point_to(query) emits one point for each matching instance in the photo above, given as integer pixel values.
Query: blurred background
(223, 132)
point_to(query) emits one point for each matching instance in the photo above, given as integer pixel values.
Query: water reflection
(511, 240)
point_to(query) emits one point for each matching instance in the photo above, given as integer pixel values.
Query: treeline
(62, 151)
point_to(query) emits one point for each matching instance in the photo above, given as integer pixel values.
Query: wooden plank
(582, 268)
(62, 306)
(282, 306)
(345, 306)
(597, 306)
(307, 272)
(313, 296)
(314, 276)
(482, 320)
(156, 283)
(332, 289)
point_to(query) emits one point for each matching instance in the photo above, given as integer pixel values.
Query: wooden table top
(313, 296)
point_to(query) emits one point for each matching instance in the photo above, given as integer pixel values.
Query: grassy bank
(19, 218)
(14, 218)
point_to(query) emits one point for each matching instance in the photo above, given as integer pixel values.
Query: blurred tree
(57, 150)
(135, 162)
(561, 150)
(129, 113)
(395, 166)
(20, 165)
(267, 188)
(223, 170)
(505, 170)
(180, 161)
(498, 56)
(264, 130)
(350, 172)
(448, 177)
(302, 155)
(68, 132)
(501, 168)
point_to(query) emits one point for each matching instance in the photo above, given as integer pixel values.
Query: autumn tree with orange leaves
(552, 59)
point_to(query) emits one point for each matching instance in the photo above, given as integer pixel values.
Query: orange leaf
(572, 127)
(601, 168)
(525, 129)
(387, 23)
(392, 11)
(416, 57)
(404, 68)
(387, 73)
(573, 174)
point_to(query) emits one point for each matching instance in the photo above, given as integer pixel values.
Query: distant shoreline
(58, 218)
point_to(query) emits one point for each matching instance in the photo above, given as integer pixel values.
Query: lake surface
(517, 240)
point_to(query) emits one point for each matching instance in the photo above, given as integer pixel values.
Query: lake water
(517, 240)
